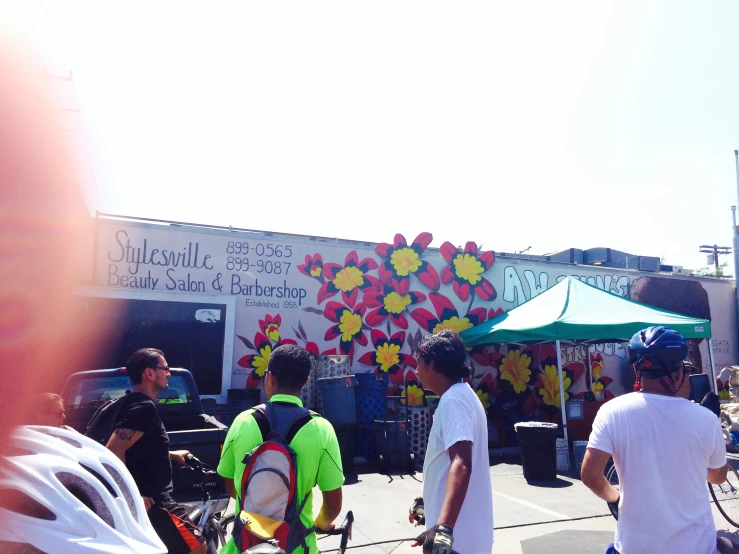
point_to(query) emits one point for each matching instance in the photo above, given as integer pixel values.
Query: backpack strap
(286, 420)
(281, 418)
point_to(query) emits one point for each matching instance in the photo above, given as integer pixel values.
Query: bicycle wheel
(726, 496)
(611, 474)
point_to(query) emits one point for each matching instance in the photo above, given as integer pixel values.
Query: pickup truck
(179, 406)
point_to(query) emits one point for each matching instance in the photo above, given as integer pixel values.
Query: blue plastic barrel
(370, 398)
(337, 393)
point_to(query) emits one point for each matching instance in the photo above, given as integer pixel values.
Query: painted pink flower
(391, 301)
(447, 316)
(349, 326)
(465, 271)
(387, 356)
(313, 267)
(348, 279)
(400, 261)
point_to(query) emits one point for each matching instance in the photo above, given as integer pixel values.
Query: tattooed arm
(121, 440)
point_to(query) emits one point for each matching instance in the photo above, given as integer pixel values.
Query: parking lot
(559, 516)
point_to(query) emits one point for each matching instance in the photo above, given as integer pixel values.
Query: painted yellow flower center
(597, 369)
(550, 390)
(348, 279)
(515, 370)
(453, 324)
(350, 324)
(414, 395)
(387, 356)
(468, 268)
(483, 398)
(260, 362)
(316, 271)
(273, 332)
(405, 261)
(395, 303)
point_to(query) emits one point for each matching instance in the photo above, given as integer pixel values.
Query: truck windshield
(91, 393)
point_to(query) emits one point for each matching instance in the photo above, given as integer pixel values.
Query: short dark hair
(291, 365)
(140, 360)
(448, 353)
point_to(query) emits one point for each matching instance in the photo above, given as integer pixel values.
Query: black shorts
(177, 532)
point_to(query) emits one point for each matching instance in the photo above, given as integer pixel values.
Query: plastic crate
(365, 443)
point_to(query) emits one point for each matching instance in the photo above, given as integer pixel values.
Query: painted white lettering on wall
(533, 287)
(514, 291)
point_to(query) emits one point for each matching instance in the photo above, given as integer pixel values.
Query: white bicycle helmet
(63, 492)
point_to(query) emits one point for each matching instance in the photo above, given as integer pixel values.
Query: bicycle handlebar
(345, 530)
(347, 525)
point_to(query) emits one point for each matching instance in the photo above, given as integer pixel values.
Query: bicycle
(208, 515)
(725, 495)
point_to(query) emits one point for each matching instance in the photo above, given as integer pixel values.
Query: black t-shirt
(148, 459)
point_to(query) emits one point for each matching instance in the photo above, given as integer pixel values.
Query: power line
(716, 251)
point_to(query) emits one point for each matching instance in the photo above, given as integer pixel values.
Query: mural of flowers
(548, 385)
(348, 325)
(348, 279)
(599, 382)
(516, 369)
(265, 341)
(465, 271)
(386, 356)
(447, 316)
(270, 326)
(313, 267)
(310, 347)
(414, 394)
(391, 301)
(400, 261)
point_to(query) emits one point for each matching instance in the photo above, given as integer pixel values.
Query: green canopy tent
(574, 311)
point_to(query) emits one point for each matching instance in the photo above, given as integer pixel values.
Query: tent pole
(562, 391)
(713, 372)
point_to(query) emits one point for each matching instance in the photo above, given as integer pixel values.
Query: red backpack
(270, 508)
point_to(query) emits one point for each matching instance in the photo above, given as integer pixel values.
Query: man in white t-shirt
(664, 448)
(457, 494)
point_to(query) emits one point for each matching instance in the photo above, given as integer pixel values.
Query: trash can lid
(338, 381)
(536, 424)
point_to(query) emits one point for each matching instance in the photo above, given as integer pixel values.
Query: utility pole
(716, 251)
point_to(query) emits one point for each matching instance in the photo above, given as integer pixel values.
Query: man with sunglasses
(141, 442)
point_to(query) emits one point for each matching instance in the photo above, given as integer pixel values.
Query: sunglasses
(162, 367)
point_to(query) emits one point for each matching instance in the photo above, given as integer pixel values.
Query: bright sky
(513, 124)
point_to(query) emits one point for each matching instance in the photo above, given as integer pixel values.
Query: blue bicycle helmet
(657, 350)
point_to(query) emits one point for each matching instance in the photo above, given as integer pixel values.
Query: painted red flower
(486, 356)
(387, 357)
(270, 326)
(447, 316)
(349, 326)
(599, 381)
(313, 267)
(264, 345)
(400, 261)
(465, 271)
(348, 279)
(264, 348)
(391, 301)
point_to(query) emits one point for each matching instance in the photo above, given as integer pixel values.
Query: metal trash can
(538, 442)
(339, 404)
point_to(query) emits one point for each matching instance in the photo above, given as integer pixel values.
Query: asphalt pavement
(558, 516)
